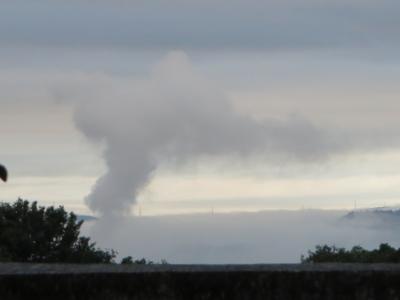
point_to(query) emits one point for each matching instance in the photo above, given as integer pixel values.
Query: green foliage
(129, 261)
(323, 254)
(29, 233)
(143, 261)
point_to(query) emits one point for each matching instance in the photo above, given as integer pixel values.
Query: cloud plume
(175, 115)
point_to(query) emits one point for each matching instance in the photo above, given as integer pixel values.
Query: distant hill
(380, 217)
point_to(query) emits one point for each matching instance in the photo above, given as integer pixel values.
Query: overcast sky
(187, 106)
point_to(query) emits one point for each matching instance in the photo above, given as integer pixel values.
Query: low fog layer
(264, 237)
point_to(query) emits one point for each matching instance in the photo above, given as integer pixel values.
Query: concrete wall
(328, 281)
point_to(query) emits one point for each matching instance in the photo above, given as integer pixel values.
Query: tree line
(37, 234)
(32, 233)
(332, 254)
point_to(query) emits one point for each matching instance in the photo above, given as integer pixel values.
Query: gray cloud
(175, 115)
(172, 114)
(202, 25)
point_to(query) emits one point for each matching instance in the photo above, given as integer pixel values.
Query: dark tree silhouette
(30, 233)
(324, 254)
(3, 173)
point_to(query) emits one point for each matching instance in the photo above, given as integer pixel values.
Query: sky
(168, 107)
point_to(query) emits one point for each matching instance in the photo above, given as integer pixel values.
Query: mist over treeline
(33, 233)
(261, 237)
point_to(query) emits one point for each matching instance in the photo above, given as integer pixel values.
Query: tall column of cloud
(176, 115)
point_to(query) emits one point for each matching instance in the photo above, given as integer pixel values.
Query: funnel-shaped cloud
(176, 115)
